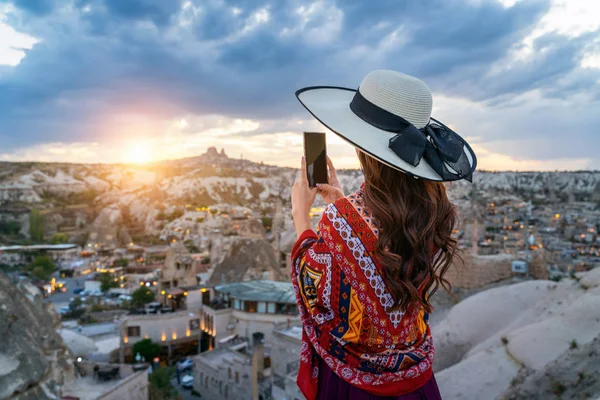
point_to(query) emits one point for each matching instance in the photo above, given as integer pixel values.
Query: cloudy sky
(143, 80)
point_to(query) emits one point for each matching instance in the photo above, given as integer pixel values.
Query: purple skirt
(332, 386)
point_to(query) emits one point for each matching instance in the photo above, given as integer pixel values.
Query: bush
(9, 228)
(174, 215)
(267, 222)
(41, 267)
(160, 383)
(195, 393)
(59, 238)
(147, 349)
(122, 262)
(573, 344)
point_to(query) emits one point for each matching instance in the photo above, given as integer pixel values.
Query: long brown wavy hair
(415, 219)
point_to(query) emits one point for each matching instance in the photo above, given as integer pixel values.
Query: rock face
(246, 259)
(34, 362)
(486, 341)
(574, 375)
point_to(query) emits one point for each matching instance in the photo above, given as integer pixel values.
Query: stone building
(239, 371)
(240, 309)
(178, 333)
(285, 360)
(179, 269)
(477, 270)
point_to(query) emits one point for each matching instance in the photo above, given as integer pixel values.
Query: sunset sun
(137, 154)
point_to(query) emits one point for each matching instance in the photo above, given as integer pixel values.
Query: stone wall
(477, 271)
(134, 387)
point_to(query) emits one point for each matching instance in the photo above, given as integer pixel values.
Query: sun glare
(138, 154)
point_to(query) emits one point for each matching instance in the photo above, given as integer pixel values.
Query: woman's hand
(303, 197)
(332, 191)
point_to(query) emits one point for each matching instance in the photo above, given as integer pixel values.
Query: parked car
(185, 365)
(152, 308)
(77, 290)
(64, 310)
(187, 382)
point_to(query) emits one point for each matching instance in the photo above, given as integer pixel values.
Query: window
(281, 308)
(237, 377)
(133, 331)
(177, 265)
(236, 304)
(262, 307)
(271, 308)
(229, 372)
(175, 283)
(250, 306)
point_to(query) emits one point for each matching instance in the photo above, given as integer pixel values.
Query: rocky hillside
(148, 199)
(528, 337)
(34, 361)
(575, 374)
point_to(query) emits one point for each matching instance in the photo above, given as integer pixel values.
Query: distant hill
(146, 194)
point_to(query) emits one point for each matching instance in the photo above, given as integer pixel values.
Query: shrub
(147, 349)
(142, 296)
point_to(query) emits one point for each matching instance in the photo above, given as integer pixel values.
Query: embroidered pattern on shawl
(346, 309)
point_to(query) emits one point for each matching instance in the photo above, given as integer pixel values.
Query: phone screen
(316, 157)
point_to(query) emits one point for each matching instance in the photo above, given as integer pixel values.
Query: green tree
(122, 262)
(59, 238)
(36, 225)
(147, 349)
(267, 222)
(10, 228)
(75, 304)
(107, 281)
(160, 384)
(41, 267)
(141, 296)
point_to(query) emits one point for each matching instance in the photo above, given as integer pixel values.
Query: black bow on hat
(439, 145)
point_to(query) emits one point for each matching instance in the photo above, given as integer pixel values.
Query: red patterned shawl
(346, 309)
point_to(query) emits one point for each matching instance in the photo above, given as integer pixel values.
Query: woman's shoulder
(352, 210)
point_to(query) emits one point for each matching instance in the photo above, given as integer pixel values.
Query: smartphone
(315, 154)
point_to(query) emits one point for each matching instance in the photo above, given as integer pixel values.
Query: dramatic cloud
(518, 77)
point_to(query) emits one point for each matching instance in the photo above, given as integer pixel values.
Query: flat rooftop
(65, 246)
(260, 290)
(216, 358)
(88, 388)
(293, 332)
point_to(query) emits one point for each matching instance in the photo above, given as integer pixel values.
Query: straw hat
(389, 118)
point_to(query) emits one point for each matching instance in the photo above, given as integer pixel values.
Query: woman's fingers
(303, 177)
(331, 168)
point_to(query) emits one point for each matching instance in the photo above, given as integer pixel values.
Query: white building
(243, 308)
(178, 333)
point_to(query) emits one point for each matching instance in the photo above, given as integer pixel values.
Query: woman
(363, 280)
